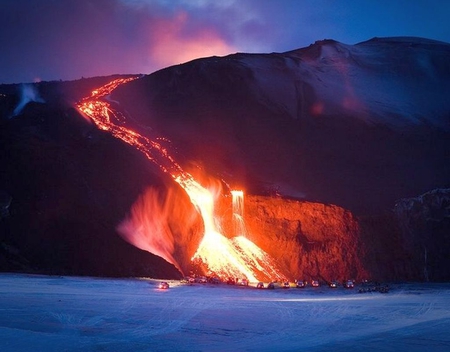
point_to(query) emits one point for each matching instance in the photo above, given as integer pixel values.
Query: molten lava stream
(236, 258)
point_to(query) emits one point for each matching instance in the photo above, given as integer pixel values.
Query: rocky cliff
(307, 240)
(312, 240)
(425, 227)
(315, 240)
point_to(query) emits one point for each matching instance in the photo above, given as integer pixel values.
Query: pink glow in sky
(168, 45)
(70, 39)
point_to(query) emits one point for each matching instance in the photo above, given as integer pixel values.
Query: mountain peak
(403, 40)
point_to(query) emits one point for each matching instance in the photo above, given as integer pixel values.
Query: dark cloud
(67, 39)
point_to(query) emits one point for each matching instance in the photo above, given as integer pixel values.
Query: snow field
(91, 314)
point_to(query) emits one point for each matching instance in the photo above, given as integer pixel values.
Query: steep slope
(358, 126)
(65, 187)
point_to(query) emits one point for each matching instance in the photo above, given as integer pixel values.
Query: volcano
(326, 140)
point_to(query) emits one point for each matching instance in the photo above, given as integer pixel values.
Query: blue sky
(70, 39)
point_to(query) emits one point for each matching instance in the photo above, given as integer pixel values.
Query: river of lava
(223, 257)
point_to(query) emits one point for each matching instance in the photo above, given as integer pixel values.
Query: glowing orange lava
(238, 213)
(238, 257)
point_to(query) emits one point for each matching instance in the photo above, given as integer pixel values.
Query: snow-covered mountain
(396, 82)
(359, 126)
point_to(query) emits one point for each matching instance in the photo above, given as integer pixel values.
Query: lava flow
(236, 258)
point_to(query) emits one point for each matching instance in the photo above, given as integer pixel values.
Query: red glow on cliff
(147, 226)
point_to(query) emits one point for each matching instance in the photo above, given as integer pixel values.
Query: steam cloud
(28, 93)
(147, 226)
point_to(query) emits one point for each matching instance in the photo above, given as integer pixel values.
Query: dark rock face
(5, 203)
(68, 186)
(425, 225)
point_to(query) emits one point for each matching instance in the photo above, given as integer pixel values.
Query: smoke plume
(28, 93)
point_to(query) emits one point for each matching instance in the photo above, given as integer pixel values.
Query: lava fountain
(237, 257)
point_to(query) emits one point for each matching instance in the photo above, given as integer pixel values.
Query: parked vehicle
(271, 286)
(163, 285)
(243, 282)
(315, 283)
(215, 280)
(260, 285)
(231, 281)
(333, 284)
(301, 284)
(349, 284)
(202, 280)
(286, 284)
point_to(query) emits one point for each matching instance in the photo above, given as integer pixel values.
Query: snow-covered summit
(398, 82)
(355, 125)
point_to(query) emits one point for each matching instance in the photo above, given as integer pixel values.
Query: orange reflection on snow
(237, 257)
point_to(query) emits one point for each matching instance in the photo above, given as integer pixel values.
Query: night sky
(44, 40)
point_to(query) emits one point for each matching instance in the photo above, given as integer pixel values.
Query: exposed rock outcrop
(308, 240)
(425, 225)
(314, 240)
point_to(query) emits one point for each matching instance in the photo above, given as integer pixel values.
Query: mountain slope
(358, 126)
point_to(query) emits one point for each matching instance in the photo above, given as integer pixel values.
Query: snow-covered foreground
(42, 313)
